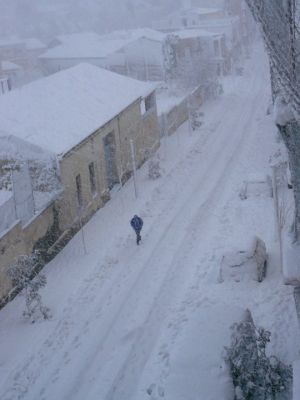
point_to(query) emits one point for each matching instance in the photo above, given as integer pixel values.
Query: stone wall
(170, 121)
(129, 125)
(20, 240)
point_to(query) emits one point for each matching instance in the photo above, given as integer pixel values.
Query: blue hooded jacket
(137, 223)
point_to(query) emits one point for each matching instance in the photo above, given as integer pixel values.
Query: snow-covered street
(151, 321)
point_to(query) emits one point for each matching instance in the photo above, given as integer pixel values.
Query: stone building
(90, 119)
(24, 54)
(136, 53)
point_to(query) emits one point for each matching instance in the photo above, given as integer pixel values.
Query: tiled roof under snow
(58, 112)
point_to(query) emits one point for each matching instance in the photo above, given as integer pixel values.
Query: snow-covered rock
(282, 112)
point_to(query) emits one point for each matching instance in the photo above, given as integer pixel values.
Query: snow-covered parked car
(256, 185)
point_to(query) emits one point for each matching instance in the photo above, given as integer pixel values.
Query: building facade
(96, 124)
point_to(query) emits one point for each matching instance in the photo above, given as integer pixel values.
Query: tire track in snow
(122, 371)
(126, 381)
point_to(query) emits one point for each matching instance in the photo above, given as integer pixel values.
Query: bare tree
(29, 283)
(279, 24)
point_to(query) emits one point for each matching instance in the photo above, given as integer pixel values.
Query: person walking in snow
(137, 224)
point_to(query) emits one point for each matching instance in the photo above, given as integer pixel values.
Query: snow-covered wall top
(58, 112)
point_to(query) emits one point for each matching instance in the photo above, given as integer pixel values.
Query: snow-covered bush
(255, 375)
(282, 112)
(154, 169)
(195, 119)
(21, 274)
(44, 176)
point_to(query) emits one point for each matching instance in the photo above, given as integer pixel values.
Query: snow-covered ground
(150, 321)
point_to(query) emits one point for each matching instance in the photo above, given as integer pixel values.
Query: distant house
(21, 51)
(12, 72)
(74, 49)
(141, 56)
(208, 19)
(188, 18)
(230, 28)
(204, 45)
(81, 38)
(136, 53)
(24, 53)
(5, 85)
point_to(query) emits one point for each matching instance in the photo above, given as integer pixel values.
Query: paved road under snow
(121, 312)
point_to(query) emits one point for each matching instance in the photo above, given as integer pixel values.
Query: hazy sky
(47, 18)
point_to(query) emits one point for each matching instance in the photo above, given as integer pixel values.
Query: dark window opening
(216, 47)
(92, 177)
(79, 190)
(149, 102)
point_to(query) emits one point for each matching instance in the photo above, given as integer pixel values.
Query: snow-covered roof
(189, 33)
(34, 44)
(10, 41)
(78, 37)
(8, 66)
(91, 45)
(28, 43)
(58, 112)
(135, 34)
(14, 148)
(80, 50)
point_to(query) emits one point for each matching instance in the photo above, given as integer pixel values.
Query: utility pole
(82, 231)
(134, 168)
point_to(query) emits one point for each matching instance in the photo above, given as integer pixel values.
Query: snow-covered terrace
(58, 112)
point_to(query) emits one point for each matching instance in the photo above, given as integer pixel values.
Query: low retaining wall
(171, 120)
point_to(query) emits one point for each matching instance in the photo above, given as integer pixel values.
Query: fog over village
(149, 200)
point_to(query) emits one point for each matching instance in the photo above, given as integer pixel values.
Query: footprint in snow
(155, 391)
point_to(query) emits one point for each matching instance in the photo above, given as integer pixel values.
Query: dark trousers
(138, 238)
